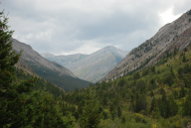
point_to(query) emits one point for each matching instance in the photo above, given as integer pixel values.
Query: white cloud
(86, 48)
(168, 16)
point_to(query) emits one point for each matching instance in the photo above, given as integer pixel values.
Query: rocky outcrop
(175, 35)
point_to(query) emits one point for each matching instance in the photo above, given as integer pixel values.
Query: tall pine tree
(8, 58)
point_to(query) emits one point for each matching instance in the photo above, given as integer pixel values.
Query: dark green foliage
(182, 92)
(7, 56)
(153, 84)
(90, 115)
(119, 111)
(154, 105)
(121, 82)
(136, 75)
(168, 79)
(167, 107)
(123, 120)
(187, 106)
(184, 59)
(185, 69)
(8, 95)
(139, 103)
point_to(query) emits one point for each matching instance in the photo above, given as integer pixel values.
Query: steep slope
(50, 71)
(172, 37)
(91, 67)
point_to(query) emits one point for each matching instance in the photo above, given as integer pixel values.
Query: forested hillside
(155, 97)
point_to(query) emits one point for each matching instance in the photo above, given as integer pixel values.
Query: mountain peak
(110, 47)
(92, 67)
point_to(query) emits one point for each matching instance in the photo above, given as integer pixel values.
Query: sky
(84, 26)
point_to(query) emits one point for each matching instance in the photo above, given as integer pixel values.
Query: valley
(149, 87)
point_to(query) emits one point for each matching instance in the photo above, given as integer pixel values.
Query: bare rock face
(176, 35)
(33, 62)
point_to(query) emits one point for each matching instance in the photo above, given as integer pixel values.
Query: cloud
(85, 48)
(71, 26)
(168, 16)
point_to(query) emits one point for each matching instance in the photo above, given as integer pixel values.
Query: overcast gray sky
(84, 26)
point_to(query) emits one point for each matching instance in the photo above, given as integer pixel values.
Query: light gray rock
(172, 36)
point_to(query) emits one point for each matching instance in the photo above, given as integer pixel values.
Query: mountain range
(33, 62)
(92, 67)
(149, 88)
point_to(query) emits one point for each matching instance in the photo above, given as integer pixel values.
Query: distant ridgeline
(92, 67)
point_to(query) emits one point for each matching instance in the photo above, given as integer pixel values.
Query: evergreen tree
(182, 92)
(140, 103)
(8, 58)
(187, 106)
(167, 107)
(163, 106)
(184, 59)
(153, 104)
(119, 111)
(90, 117)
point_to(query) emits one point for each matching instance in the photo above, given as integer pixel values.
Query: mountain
(52, 72)
(172, 37)
(157, 96)
(91, 67)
